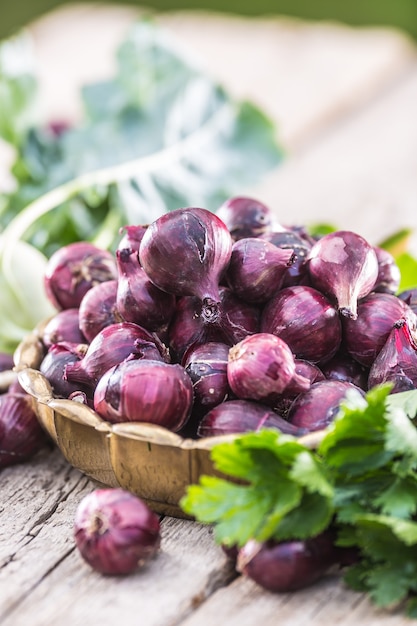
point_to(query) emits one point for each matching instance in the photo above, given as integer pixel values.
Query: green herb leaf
(408, 269)
(405, 400)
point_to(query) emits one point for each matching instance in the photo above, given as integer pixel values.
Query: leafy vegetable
(362, 478)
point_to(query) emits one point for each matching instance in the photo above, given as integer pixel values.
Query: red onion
(344, 368)
(111, 346)
(98, 309)
(21, 435)
(6, 361)
(145, 391)
(410, 297)
(305, 319)
(389, 275)
(261, 367)
(308, 370)
(257, 269)
(138, 300)
(245, 217)
(73, 270)
(238, 318)
(132, 237)
(54, 364)
(317, 408)
(365, 335)
(397, 360)
(344, 266)
(288, 240)
(185, 252)
(242, 416)
(289, 565)
(115, 531)
(206, 365)
(63, 327)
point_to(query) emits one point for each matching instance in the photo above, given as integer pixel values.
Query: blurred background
(398, 13)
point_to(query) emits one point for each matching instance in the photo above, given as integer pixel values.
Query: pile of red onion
(214, 323)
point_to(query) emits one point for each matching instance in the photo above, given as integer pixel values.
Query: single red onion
(132, 237)
(288, 565)
(73, 270)
(98, 309)
(138, 299)
(317, 408)
(112, 345)
(261, 367)
(365, 335)
(115, 531)
(206, 365)
(257, 269)
(245, 217)
(54, 364)
(389, 275)
(238, 318)
(410, 297)
(63, 327)
(145, 391)
(21, 435)
(296, 273)
(397, 360)
(185, 252)
(344, 266)
(306, 320)
(242, 416)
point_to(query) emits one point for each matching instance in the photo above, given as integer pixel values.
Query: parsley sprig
(362, 479)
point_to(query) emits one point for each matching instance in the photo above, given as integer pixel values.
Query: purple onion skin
(364, 337)
(21, 435)
(245, 217)
(111, 346)
(317, 408)
(145, 391)
(138, 300)
(308, 370)
(397, 360)
(115, 532)
(389, 275)
(344, 368)
(185, 253)
(296, 273)
(6, 362)
(257, 269)
(53, 367)
(132, 237)
(73, 270)
(238, 318)
(63, 327)
(261, 367)
(344, 266)
(306, 320)
(206, 365)
(410, 297)
(242, 416)
(290, 565)
(98, 309)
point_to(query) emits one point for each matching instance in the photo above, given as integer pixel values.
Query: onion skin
(206, 365)
(63, 327)
(287, 566)
(344, 266)
(242, 416)
(54, 364)
(306, 320)
(365, 336)
(397, 360)
(317, 408)
(112, 345)
(257, 269)
(201, 246)
(132, 237)
(73, 270)
(115, 532)
(145, 391)
(296, 273)
(389, 275)
(138, 300)
(344, 368)
(21, 435)
(98, 309)
(245, 217)
(261, 367)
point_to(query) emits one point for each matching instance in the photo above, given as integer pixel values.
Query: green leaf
(408, 269)
(397, 243)
(405, 400)
(321, 229)
(399, 499)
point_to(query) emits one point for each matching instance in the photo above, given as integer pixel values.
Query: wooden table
(346, 104)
